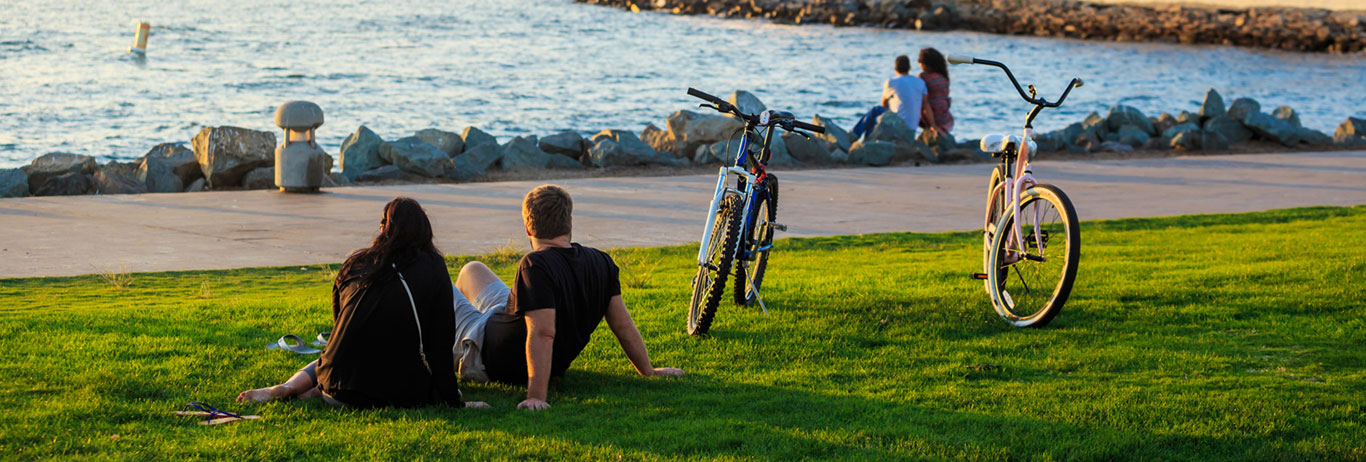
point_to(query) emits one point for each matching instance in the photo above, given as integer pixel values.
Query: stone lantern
(300, 164)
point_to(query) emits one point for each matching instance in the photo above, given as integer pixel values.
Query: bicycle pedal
(979, 275)
(779, 226)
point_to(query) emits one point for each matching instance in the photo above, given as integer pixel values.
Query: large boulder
(1115, 146)
(565, 143)
(1272, 129)
(415, 156)
(690, 130)
(261, 178)
(1313, 137)
(1132, 136)
(1243, 107)
(383, 173)
(118, 178)
(872, 152)
(360, 153)
(806, 150)
(1187, 117)
(448, 142)
(477, 159)
(660, 140)
(522, 153)
(938, 145)
(635, 150)
(227, 153)
(55, 164)
(1351, 132)
(834, 136)
(779, 154)
(1121, 115)
(13, 182)
(168, 167)
(746, 102)
(1287, 115)
(69, 184)
(892, 128)
(197, 185)
(1179, 128)
(1213, 141)
(1213, 105)
(1232, 130)
(1189, 140)
(606, 153)
(1163, 122)
(474, 137)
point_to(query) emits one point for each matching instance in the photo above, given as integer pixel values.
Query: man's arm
(619, 320)
(540, 343)
(887, 94)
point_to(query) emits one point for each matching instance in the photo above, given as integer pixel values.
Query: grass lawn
(1200, 337)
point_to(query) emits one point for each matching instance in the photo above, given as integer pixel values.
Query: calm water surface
(535, 67)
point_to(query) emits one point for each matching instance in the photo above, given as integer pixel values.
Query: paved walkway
(58, 236)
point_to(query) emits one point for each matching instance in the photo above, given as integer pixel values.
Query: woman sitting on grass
(393, 328)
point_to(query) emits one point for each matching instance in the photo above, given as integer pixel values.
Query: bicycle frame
(722, 189)
(1014, 185)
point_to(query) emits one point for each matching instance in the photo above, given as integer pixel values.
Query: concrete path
(59, 236)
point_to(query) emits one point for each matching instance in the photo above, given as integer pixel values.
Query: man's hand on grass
(477, 404)
(668, 372)
(533, 404)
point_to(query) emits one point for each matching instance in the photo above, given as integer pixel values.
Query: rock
(1273, 129)
(1313, 137)
(1158, 143)
(937, 144)
(1179, 128)
(660, 140)
(606, 153)
(1121, 115)
(1187, 117)
(474, 137)
(1115, 146)
(839, 157)
(448, 142)
(566, 143)
(197, 185)
(834, 136)
(1093, 123)
(13, 182)
(477, 159)
(227, 153)
(690, 129)
(890, 127)
(1351, 132)
(69, 184)
(746, 102)
(55, 164)
(118, 178)
(636, 152)
(522, 153)
(560, 161)
(1164, 122)
(1287, 115)
(168, 167)
(261, 178)
(1132, 136)
(1232, 130)
(463, 169)
(802, 149)
(1050, 142)
(876, 153)
(1187, 141)
(1243, 107)
(1213, 105)
(1213, 141)
(382, 173)
(415, 156)
(779, 153)
(360, 153)
(336, 179)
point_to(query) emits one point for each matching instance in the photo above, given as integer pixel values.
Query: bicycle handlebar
(722, 105)
(1075, 83)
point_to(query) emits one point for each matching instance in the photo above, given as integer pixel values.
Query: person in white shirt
(905, 94)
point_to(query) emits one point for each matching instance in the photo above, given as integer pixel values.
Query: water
(518, 67)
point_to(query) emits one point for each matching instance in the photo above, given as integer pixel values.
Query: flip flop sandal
(322, 339)
(292, 343)
(212, 415)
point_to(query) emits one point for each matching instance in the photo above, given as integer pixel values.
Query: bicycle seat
(997, 144)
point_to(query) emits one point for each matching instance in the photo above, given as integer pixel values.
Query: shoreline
(1285, 28)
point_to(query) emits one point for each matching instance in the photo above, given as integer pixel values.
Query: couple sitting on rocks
(402, 333)
(921, 101)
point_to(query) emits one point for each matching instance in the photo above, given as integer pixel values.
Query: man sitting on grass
(560, 294)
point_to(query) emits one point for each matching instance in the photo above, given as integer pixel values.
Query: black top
(372, 356)
(577, 282)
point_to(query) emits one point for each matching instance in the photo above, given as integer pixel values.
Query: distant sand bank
(1335, 5)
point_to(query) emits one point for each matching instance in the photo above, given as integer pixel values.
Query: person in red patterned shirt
(935, 73)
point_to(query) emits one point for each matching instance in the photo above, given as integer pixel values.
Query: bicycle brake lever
(705, 105)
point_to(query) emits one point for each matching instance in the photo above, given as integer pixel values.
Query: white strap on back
(421, 350)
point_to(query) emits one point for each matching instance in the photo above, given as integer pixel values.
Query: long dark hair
(934, 62)
(404, 234)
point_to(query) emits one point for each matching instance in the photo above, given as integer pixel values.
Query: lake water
(518, 67)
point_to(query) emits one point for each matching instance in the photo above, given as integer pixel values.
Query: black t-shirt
(577, 282)
(372, 357)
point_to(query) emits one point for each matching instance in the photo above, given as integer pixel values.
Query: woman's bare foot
(259, 395)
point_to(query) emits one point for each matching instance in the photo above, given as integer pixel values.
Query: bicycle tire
(709, 285)
(760, 234)
(1027, 307)
(996, 206)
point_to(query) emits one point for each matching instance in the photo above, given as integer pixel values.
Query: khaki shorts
(470, 319)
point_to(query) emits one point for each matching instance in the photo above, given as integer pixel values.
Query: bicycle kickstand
(758, 297)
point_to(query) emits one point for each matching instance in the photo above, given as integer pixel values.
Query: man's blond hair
(546, 211)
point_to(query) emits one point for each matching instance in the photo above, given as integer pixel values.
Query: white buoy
(140, 39)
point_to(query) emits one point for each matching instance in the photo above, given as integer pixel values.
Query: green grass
(1196, 338)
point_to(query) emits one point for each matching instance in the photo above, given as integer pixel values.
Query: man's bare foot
(477, 404)
(259, 395)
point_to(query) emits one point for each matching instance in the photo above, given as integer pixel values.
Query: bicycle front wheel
(750, 273)
(1029, 285)
(709, 285)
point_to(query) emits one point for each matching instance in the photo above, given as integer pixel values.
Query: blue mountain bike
(741, 218)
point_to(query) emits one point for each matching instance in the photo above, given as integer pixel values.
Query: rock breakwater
(1301, 29)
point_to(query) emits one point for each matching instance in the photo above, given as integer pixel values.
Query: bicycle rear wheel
(996, 207)
(709, 285)
(1029, 289)
(760, 235)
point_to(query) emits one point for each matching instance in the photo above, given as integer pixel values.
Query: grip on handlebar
(1079, 82)
(960, 59)
(808, 127)
(703, 95)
